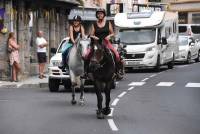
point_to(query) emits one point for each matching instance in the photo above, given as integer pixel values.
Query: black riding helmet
(77, 18)
(101, 10)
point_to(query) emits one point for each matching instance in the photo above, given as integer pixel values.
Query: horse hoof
(73, 102)
(106, 111)
(81, 102)
(99, 114)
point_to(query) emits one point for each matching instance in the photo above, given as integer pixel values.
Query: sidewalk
(31, 82)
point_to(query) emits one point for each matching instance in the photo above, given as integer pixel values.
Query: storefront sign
(85, 13)
(145, 7)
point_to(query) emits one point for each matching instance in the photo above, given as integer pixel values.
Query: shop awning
(69, 1)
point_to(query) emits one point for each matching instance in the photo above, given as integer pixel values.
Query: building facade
(189, 11)
(25, 18)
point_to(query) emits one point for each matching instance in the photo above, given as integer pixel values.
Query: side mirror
(124, 46)
(164, 41)
(159, 41)
(53, 50)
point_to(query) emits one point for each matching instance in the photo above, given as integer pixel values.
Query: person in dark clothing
(102, 30)
(74, 30)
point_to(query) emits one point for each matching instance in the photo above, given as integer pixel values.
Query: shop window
(183, 18)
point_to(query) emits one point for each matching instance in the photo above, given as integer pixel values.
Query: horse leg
(107, 109)
(99, 102)
(82, 93)
(73, 101)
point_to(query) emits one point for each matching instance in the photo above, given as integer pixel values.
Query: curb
(24, 85)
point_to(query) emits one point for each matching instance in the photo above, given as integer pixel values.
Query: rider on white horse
(75, 29)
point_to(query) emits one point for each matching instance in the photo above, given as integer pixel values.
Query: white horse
(76, 66)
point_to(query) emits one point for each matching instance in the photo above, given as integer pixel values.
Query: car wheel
(198, 57)
(188, 58)
(53, 85)
(67, 84)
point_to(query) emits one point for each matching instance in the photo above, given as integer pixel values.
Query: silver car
(188, 49)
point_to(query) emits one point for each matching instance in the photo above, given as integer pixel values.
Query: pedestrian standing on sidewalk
(13, 48)
(41, 53)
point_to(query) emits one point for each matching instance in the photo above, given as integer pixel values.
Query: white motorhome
(150, 38)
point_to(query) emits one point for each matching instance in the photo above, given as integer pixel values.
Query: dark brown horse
(102, 68)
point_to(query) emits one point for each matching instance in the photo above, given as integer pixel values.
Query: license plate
(132, 62)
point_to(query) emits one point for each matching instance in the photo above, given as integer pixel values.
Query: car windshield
(62, 46)
(137, 36)
(183, 41)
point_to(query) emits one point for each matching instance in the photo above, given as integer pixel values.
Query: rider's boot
(63, 64)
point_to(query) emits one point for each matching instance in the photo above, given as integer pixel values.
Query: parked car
(188, 49)
(189, 30)
(57, 76)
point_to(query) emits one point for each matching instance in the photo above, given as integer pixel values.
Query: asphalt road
(145, 102)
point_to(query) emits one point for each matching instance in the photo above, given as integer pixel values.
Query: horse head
(99, 51)
(83, 46)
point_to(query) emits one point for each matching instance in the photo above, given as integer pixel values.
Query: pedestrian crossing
(165, 84)
(193, 85)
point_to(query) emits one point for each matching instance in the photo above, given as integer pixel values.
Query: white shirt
(39, 41)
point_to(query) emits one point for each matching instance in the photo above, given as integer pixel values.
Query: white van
(190, 30)
(57, 76)
(150, 38)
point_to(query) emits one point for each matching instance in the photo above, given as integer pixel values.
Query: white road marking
(112, 125)
(136, 83)
(145, 79)
(130, 88)
(111, 113)
(153, 75)
(193, 85)
(165, 84)
(115, 102)
(122, 94)
(0, 82)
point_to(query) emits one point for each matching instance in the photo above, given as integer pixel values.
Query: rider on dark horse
(75, 29)
(102, 30)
